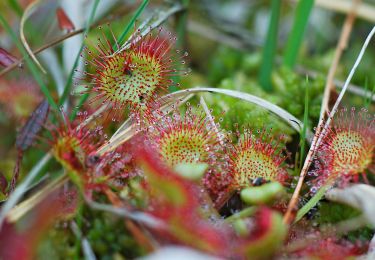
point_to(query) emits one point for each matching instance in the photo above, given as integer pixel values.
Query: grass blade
(296, 35)
(283, 114)
(132, 21)
(21, 189)
(16, 7)
(311, 203)
(270, 46)
(70, 78)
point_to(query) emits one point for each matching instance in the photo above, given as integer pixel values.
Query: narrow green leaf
(368, 98)
(296, 35)
(311, 203)
(68, 84)
(132, 21)
(16, 7)
(270, 46)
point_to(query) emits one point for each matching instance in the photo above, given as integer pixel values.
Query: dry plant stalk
(365, 11)
(60, 39)
(321, 129)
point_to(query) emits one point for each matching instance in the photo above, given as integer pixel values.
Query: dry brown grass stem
(27, 13)
(329, 88)
(60, 39)
(365, 11)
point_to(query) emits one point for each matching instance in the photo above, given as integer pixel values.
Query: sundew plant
(144, 129)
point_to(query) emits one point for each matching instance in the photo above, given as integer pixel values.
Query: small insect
(258, 181)
(128, 72)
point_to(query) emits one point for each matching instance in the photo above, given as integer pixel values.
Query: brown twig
(342, 43)
(40, 49)
(341, 46)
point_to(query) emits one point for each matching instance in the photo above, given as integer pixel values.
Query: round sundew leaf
(132, 79)
(191, 171)
(185, 146)
(262, 194)
(251, 164)
(252, 159)
(351, 155)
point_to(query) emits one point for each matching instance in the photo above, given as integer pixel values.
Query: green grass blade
(84, 97)
(33, 69)
(296, 35)
(368, 98)
(311, 203)
(70, 78)
(132, 21)
(16, 7)
(269, 50)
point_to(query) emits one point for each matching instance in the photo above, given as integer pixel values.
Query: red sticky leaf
(64, 21)
(6, 59)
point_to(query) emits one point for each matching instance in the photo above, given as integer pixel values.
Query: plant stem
(304, 128)
(322, 129)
